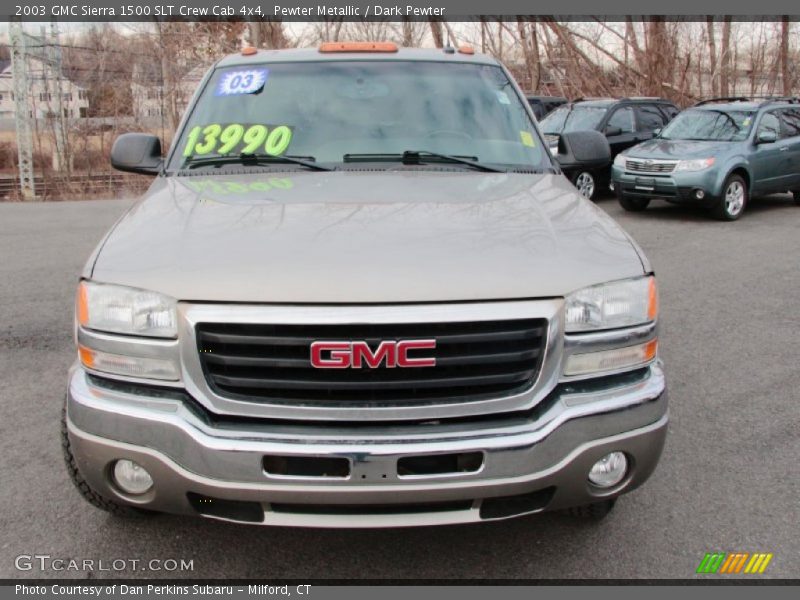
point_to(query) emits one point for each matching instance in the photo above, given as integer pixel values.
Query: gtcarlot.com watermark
(46, 562)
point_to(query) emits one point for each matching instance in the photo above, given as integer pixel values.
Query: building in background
(43, 86)
(152, 98)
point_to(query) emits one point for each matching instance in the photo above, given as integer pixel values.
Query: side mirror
(613, 131)
(137, 153)
(583, 149)
(766, 137)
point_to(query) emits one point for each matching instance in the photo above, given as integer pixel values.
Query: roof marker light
(358, 47)
(466, 50)
(249, 51)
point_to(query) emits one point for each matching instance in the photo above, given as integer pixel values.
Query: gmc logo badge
(356, 355)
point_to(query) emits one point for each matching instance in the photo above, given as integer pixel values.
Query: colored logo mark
(734, 562)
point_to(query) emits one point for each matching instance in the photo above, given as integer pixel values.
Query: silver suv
(360, 293)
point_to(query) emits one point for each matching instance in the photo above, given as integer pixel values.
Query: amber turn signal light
(82, 305)
(652, 300)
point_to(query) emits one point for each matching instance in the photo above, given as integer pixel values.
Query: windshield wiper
(414, 157)
(253, 159)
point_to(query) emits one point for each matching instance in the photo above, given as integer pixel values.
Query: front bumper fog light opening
(699, 194)
(609, 470)
(131, 477)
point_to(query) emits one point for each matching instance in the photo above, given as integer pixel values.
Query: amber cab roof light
(466, 50)
(249, 50)
(358, 47)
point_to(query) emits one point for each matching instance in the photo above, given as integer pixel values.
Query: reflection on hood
(345, 237)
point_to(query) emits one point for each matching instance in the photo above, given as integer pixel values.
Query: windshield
(322, 111)
(710, 125)
(572, 118)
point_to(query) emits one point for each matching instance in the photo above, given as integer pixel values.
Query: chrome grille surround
(646, 165)
(196, 383)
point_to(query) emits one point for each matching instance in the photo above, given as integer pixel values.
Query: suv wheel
(631, 203)
(594, 512)
(88, 493)
(734, 198)
(586, 184)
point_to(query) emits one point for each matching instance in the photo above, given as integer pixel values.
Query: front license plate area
(646, 184)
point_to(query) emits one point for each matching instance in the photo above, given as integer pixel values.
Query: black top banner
(353, 10)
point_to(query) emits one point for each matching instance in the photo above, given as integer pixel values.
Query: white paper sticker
(241, 82)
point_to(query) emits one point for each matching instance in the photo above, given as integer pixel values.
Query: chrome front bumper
(549, 448)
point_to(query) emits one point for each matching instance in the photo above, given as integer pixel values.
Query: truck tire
(596, 511)
(631, 203)
(89, 494)
(733, 200)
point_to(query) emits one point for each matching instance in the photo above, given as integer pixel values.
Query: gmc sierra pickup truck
(360, 293)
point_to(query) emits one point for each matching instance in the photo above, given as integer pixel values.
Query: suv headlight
(697, 164)
(619, 161)
(611, 305)
(129, 311)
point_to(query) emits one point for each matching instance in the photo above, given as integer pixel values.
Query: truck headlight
(622, 303)
(697, 164)
(129, 311)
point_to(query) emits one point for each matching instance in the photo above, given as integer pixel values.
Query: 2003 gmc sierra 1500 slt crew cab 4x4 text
(360, 293)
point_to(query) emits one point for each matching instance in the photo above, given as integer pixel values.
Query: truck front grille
(272, 363)
(649, 166)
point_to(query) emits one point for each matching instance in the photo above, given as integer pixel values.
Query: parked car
(360, 293)
(542, 105)
(716, 155)
(625, 122)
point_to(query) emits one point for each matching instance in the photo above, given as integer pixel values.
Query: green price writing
(238, 139)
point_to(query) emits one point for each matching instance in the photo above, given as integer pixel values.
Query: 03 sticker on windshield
(241, 82)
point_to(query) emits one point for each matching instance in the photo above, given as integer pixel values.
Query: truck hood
(364, 237)
(678, 149)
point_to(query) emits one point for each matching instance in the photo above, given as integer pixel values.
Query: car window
(622, 118)
(328, 109)
(790, 119)
(769, 122)
(650, 118)
(708, 124)
(537, 107)
(670, 111)
(578, 117)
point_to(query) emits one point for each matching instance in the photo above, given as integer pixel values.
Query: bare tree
(530, 51)
(725, 58)
(784, 57)
(712, 56)
(437, 33)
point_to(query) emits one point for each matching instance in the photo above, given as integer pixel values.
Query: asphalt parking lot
(728, 480)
